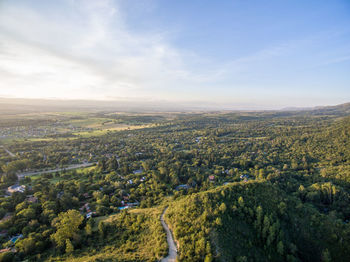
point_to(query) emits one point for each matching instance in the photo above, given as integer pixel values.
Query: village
(87, 200)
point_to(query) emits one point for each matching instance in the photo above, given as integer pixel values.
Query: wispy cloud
(89, 53)
(335, 60)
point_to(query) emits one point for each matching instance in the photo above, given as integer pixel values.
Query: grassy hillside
(136, 235)
(255, 221)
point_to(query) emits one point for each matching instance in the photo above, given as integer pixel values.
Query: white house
(16, 188)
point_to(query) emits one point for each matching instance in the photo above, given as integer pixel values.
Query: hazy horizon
(137, 105)
(232, 55)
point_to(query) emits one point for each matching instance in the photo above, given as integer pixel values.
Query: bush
(6, 257)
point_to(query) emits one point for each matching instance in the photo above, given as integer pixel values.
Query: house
(244, 177)
(3, 233)
(179, 187)
(85, 207)
(138, 171)
(16, 188)
(90, 214)
(32, 199)
(60, 194)
(15, 238)
(143, 179)
(130, 182)
(5, 250)
(211, 178)
(132, 204)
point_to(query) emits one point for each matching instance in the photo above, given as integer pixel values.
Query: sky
(233, 54)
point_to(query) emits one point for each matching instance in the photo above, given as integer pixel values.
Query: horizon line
(161, 104)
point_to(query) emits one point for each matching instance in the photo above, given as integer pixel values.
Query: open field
(59, 126)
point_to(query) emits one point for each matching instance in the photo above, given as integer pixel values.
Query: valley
(229, 186)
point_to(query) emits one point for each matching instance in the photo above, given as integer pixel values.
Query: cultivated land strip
(22, 175)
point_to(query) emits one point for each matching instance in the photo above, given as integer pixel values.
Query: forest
(239, 186)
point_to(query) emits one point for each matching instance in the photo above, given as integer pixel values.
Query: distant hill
(337, 109)
(342, 109)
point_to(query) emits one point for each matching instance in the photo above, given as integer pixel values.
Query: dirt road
(169, 237)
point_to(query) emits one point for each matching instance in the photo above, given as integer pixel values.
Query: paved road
(169, 237)
(55, 170)
(8, 151)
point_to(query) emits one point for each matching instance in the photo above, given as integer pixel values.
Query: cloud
(85, 51)
(337, 60)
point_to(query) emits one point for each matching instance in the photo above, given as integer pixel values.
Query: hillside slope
(255, 221)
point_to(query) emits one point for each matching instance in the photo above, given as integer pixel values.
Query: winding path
(172, 254)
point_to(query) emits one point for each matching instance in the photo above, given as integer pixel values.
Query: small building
(16, 188)
(244, 177)
(60, 194)
(15, 238)
(179, 187)
(211, 178)
(132, 204)
(138, 171)
(3, 233)
(85, 207)
(90, 214)
(5, 250)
